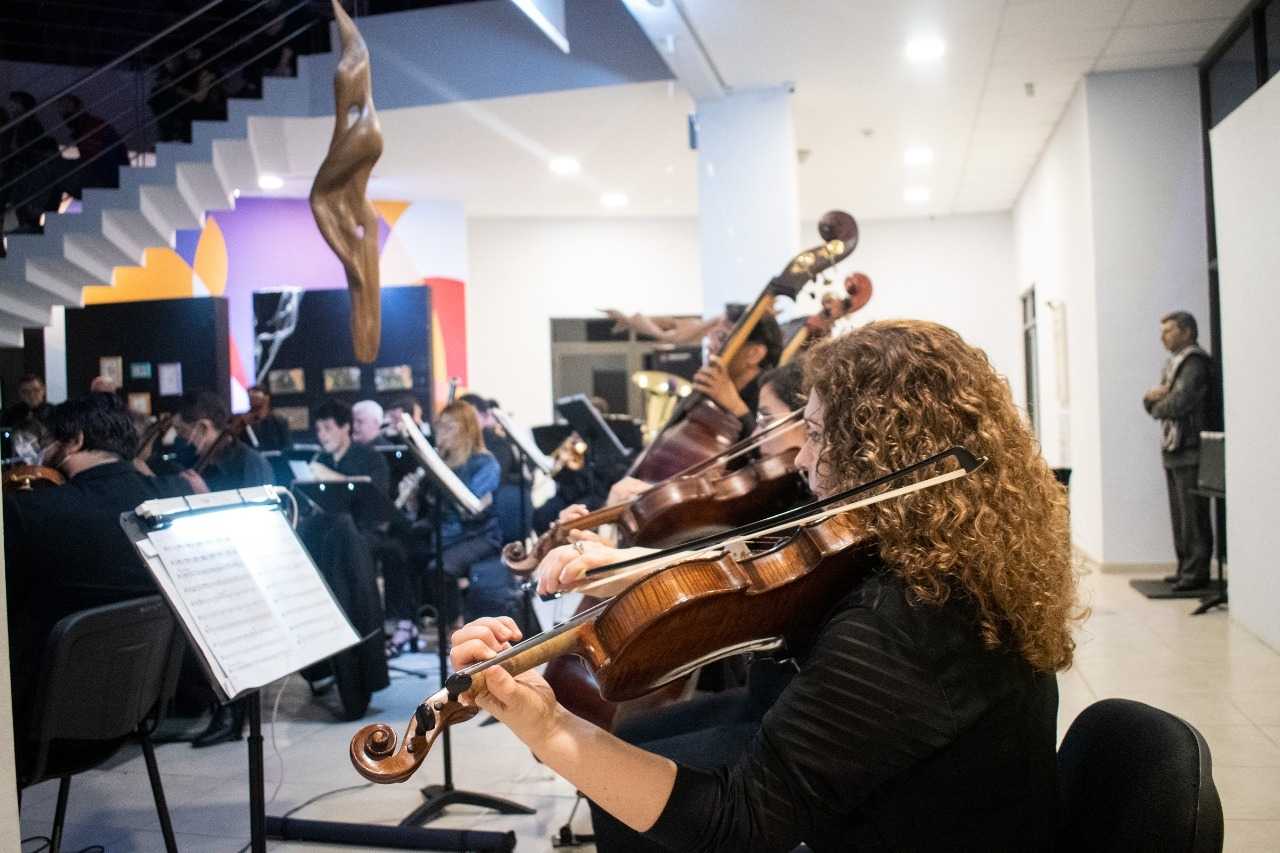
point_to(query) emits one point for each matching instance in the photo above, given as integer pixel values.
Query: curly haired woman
(923, 715)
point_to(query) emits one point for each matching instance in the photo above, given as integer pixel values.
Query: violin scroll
(377, 756)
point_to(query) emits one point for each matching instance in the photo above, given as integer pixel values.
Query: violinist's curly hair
(895, 392)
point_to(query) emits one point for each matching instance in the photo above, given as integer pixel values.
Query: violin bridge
(738, 550)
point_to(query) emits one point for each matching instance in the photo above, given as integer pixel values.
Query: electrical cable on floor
(275, 711)
(92, 848)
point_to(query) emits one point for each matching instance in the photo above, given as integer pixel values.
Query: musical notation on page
(250, 596)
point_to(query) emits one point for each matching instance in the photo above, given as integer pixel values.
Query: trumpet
(571, 455)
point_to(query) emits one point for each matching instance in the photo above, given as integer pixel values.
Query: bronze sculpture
(344, 215)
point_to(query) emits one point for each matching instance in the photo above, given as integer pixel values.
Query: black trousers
(1192, 527)
(707, 732)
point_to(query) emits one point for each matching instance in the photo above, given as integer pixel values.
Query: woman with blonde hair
(466, 540)
(923, 713)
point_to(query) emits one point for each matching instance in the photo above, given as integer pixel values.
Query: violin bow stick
(785, 424)
(812, 512)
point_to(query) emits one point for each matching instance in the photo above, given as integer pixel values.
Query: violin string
(649, 568)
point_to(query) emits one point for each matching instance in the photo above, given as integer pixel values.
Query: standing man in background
(1180, 404)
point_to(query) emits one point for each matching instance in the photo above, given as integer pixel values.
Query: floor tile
(1251, 836)
(1249, 793)
(1240, 746)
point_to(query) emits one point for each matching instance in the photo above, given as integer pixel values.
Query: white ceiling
(845, 58)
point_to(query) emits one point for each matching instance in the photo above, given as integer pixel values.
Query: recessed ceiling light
(614, 200)
(564, 166)
(916, 195)
(918, 155)
(270, 182)
(925, 49)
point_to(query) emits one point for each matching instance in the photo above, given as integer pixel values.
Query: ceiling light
(270, 182)
(614, 200)
(918, 155)
(916, 195)
(925, 49)
(564, 166)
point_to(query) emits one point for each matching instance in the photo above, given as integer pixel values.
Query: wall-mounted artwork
(171, 379)
(397, 378)
(298, 418)
(139, 370)
(341, 379)
(112, 367)
(140, 403)
(287, 381)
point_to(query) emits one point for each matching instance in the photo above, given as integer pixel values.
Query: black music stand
(153, 516)
(441, 485)
(1211, 483)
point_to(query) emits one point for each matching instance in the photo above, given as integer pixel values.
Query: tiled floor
(1207, 670)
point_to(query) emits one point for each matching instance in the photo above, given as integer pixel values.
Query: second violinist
(937, 665)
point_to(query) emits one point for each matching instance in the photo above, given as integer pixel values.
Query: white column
(748, 217)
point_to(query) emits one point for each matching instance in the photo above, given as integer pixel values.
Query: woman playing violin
(923, 713)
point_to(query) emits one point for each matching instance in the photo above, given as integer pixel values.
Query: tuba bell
(661, 393)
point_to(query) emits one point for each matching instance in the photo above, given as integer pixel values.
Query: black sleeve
(16, 536)
(863, 709)
(1190, 387)
(379, 472)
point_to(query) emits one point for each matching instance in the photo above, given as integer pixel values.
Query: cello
(699, 428)
(686, 608)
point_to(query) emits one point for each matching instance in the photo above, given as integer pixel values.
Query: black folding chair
(106, 673)
(1133, 777)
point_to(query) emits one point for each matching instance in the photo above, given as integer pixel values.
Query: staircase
(116, 226)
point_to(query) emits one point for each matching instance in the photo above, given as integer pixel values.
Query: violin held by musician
(931, 658)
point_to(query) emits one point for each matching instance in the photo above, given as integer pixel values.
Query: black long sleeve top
(899, 732)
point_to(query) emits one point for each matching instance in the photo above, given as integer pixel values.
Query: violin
(28, 478)
(680, 508)
(699, 428)
(817, 326)
(687, 609)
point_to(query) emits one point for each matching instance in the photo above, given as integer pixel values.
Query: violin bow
(812, 512)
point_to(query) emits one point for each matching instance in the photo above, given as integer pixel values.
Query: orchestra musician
(263, 428)
(930, 685)
(64, 548)
(734, 387)
(223, 461)
(366, 422)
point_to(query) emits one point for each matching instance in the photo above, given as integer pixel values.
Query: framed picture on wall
(140, 402)
(112, 367)
(170, 379)
(289, 381)
(139, 370)
(341, 379)
(298, 418)
(397, 378)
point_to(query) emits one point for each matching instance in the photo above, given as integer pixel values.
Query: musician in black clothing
(266, 430)
(347, 458)
(203, 421)
(923, 713)
(64, 548)
(734, 387)
(495, 440)
(31, 402)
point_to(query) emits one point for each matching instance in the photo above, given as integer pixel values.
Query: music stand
(442, 485)
(530, 454)
(1211, 483)
(587, 421)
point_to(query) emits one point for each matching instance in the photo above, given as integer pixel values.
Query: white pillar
(748, 216)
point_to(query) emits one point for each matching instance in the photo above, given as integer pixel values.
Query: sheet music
(443, 473)
(523, 437)
(249, 594)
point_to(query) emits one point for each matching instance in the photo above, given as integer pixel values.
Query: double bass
(687, 608)
(857, 286)
(699, 428)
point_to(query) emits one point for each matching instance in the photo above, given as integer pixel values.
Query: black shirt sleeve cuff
(684, 819)
(748, 424)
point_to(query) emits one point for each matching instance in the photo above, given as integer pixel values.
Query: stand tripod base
(1209, 602)
(440, 797)
(398, 837)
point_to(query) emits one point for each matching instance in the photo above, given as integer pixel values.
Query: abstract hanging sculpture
(344, 215)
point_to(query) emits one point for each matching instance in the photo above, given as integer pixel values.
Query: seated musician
(406, 404)
(264, 429)
(465, 540)
(203, 421)
(64, 548)
(923, 714)
(366, 422)
(495, 440)
(734, 387)
(342, 456)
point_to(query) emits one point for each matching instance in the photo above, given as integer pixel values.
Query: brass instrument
(571, 455)
(662, 391)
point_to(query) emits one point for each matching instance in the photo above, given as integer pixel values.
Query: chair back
(1133, 777)
(104, 670)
